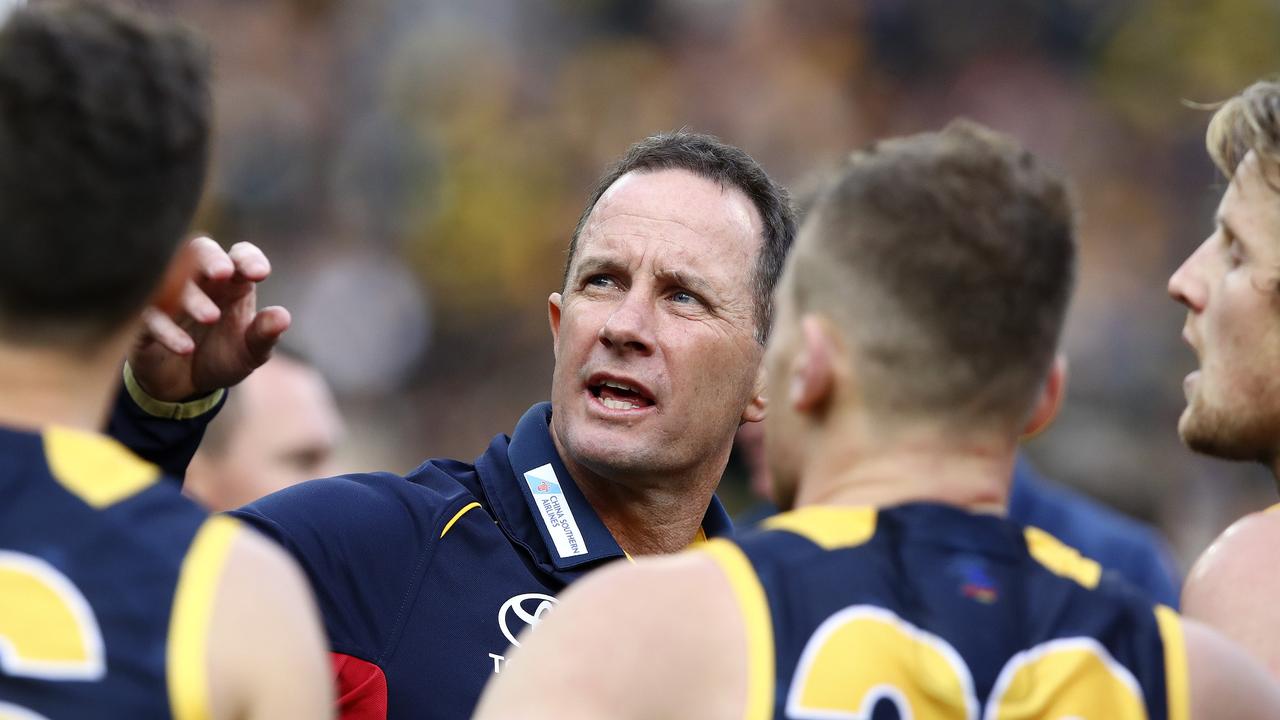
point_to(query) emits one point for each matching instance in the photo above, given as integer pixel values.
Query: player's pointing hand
(217, 335)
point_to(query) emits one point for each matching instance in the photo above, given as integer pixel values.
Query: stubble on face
(1247, 429)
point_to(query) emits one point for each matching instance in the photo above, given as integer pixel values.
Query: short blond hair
(1247, 122)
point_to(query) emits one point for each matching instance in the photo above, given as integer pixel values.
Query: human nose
(1186, 285)
(630, 325)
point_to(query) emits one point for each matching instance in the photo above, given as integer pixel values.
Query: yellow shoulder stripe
(1062, 559)
(830, 527)
(193, 600)
(758, 624)
(1176, 680)
(170, 410)
(94, 467)
(458, 516)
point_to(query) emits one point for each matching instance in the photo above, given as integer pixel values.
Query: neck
(649, 520)
(928, 466)
(43, 386)
(648, 515)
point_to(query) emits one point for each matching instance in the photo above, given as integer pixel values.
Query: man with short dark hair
(1230, 288)
(917, 322)
(658, 331)
(118, 597)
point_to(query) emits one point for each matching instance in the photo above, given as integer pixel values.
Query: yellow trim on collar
(830, 527)
(95, 468)
(170, 410)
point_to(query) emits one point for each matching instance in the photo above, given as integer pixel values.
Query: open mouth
(620, 396)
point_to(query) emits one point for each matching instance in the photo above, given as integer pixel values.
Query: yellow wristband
(171, 410)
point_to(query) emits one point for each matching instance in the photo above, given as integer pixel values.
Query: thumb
(264, 332)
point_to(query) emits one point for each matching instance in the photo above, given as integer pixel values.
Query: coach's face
(1229, 285)
(656, 356)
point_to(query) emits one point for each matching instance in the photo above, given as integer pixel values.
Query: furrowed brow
(596, 264)
(692, 283)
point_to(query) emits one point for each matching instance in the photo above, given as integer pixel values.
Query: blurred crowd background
(415, 168)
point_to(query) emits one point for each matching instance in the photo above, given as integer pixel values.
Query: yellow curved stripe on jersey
(1062, 559)
(94, 467)
(188, 647)
(863, 654)
(758, 625)
(1176, 678)
(831, 528)
(458, 516)
(170, 410)
(1065, 678)
(47, 628)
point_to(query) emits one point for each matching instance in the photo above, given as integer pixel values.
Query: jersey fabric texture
(107, 577)
(1119, 543)
(928, 611)
(426, 580)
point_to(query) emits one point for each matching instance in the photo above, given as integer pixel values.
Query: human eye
(684, 297)
(600, 280)
(1235, 251)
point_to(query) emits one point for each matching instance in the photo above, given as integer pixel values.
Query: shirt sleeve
(163, 433)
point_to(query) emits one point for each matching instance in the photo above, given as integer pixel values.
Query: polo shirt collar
(542, 508)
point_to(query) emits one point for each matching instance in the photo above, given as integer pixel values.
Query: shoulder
(371, 509)
(1081, 520)
(1233, 585)
(267, 651)
(366, 542)
(1118, 542)
(680, 608)
(1241, 557)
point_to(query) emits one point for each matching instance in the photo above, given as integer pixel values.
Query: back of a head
(104, 125)
(947, 259)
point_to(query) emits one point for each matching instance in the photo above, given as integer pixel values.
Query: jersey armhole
(187, 650)
(757, 623)
(1177, 683)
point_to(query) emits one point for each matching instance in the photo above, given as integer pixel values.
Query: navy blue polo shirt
(425, 581)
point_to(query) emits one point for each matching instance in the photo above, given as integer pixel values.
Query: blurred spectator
(279, 427)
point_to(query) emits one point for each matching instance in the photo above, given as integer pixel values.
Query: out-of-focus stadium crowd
(414, 167)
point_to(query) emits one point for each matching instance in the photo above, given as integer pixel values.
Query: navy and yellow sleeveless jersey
(106, 582)
(929, 612)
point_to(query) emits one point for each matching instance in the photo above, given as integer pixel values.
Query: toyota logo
(520, 606)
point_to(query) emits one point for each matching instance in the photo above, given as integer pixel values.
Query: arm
(1233, 588)
(267, 655)
(188, 354)
(659, 639)
(165, 434)
(1225, 683)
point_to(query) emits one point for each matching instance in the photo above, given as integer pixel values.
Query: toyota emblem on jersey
(523, 611)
